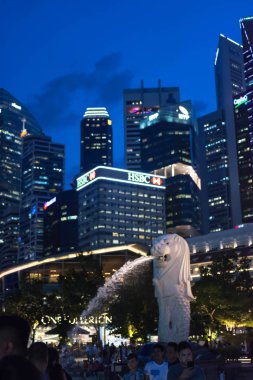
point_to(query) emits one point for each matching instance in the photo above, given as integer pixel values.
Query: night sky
(60, 56)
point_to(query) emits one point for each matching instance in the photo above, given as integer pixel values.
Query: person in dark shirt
(135, 373)
(172, 354)
(16, 367)
(38, 355)
(185, 369)
(14, 335)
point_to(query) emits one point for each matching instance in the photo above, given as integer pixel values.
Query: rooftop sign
(15, 105)
(239, 101)
(49, 203)
(184, 114)
(120, 175)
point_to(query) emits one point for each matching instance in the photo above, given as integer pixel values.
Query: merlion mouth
(162, 258)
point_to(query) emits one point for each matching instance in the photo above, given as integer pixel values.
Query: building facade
(204, 248)
(167, 148)
(96, 139)
(245, 156)
(61, 223)
(229, 77)
(215, 172)
(14, 120)
(139, 103)
(42, 179)
(243, 106)
(9, 250)
(118, 207)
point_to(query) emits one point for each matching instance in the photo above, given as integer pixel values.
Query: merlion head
(164, 248)
(172, 253)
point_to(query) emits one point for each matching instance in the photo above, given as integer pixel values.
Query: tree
(28, 302)
(223, 294)
(135, 311)
(75, 289)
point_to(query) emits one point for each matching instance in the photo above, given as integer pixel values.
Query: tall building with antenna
(14, 118)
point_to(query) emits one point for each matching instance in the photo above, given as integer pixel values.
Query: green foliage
(135, 311)
(71, 296)
(223, 295)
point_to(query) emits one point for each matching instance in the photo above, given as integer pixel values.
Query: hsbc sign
(119, 175)
(86, 178)
(144, 178)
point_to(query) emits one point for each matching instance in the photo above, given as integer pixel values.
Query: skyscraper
(243, 106)
(139, 103)
(96, 139)
(118, 207)
(61, 223)
(14, 118)
(215, 173)
(167, 146)
(244, 153)
(229, 76)
(42, 178)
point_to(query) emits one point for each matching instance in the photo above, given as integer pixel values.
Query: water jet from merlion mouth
(172, 282)
(106, 294)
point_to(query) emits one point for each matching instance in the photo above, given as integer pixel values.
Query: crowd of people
(40, 362)
(174, 364)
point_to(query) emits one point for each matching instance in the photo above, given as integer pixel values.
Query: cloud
(64, 98)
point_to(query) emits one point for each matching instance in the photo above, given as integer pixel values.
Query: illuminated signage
(184, 115)
(86, 178)
(238, 102)
(23, 133)
(34, 210)
(239, 226)
(102, 320)
(119, 175)
(142, 178)
(153, 117)
(15, 105)
(49, 203)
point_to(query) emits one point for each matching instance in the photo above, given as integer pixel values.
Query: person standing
(172, 354)
(14, 335)
(38, 355)
(186, 368)
(135, 373)
(157, 369)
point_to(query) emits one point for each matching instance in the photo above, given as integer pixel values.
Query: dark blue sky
(61, 56)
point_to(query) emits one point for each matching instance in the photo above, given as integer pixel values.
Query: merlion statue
(172, 281)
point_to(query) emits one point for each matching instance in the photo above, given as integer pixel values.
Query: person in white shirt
(157, 369)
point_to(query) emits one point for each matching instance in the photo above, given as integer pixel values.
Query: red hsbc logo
(156, 181)
(92, 175)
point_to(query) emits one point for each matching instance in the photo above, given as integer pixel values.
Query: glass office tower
(15, 119)
(229, 77)
(42, 179)
(167, 148)
(215, 172)
(96, 139)
(243, 106)
(139, 103)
